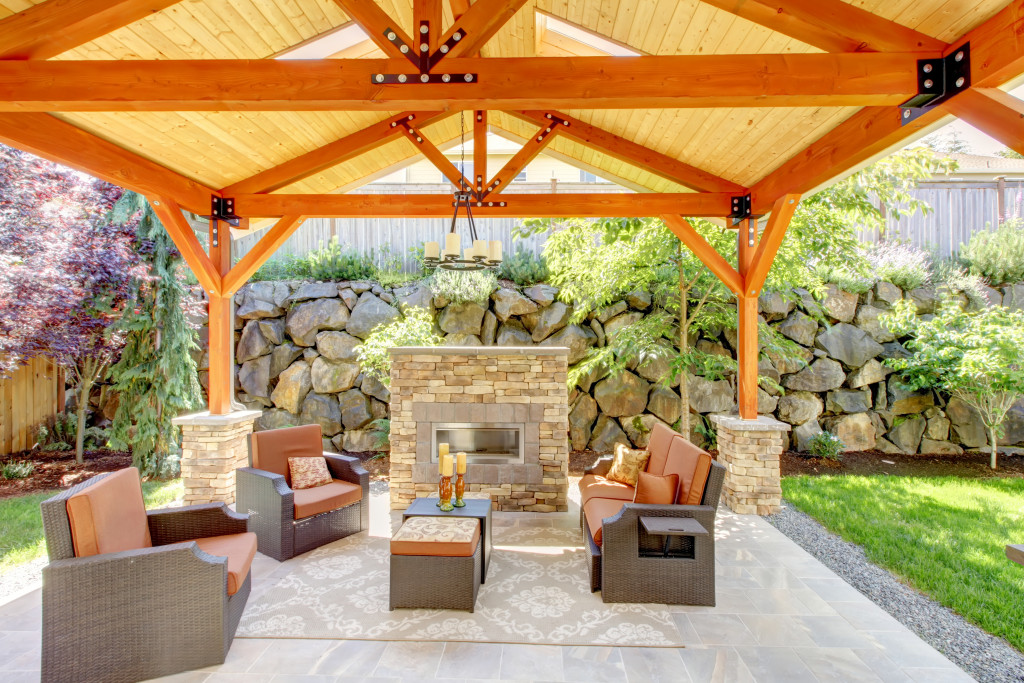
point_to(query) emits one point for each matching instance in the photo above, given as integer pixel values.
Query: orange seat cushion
(658, 445)
(271, 449)
(238, 548)
(337, 494)
(655, 489)
(109, 516)
(437, 536)
(596, 486)
(595, 512)
(692, 465)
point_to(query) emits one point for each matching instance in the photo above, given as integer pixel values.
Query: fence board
(28, 398)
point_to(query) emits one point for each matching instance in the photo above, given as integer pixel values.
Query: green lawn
(946, 536)
(21, 526)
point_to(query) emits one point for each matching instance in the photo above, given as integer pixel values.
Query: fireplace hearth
(485, 443)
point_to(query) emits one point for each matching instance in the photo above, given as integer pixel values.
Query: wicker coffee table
(477, 508)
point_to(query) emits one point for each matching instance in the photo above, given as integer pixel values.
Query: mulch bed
(377, 464)
(971, 465)
(58, 470)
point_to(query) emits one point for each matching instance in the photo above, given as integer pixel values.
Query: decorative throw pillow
(309, 472)
(627, 465)
(656, 489)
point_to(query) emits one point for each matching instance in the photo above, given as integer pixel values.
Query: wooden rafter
(435, 156)
(55, 26)
(479, 24)
(997, 47)
(56, 140)
(430, 12)
(769, 243)
(376, 23)
(332, 154)
(721, 268)
(831, 25)
(992, 111)
(504, 83)
(524, 156)
(170, 215)
(630, 152)
(517, 206)
(479, 149)
(459, 7)
(258, 255)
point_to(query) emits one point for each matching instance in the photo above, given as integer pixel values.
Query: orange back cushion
(692, 465)
(658, 445)
(109, 516)
(271, 449)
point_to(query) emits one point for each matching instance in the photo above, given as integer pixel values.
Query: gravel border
(985, 657)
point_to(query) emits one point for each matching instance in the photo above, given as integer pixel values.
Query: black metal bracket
(938, 80)
(445, 48)
(223, 209)
(390, 79)
(423, 60)
(392, 37)
(470, 200)
(741, 208)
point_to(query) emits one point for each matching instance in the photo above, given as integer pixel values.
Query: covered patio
(261, 111)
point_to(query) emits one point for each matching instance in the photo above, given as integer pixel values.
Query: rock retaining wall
(297, 363)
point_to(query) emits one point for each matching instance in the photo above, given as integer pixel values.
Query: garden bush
(904, 265)
(524, 268)
(334, 262)
(460, 287)
(997, 255)
(415, 329)
(826, 445)
(16, 469)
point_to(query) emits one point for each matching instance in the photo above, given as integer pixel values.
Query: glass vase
(445, 494)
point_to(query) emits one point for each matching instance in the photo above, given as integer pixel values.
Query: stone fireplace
(506, 407)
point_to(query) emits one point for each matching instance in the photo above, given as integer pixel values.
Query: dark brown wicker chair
(631, 565)
(140, 613)
(289, 523)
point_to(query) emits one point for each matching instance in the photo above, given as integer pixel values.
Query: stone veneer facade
(482, 384)
(212, 448)
(750, 451)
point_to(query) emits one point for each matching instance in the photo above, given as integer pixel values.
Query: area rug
(537, 591)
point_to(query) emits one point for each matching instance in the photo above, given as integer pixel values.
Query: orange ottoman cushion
(437, 536)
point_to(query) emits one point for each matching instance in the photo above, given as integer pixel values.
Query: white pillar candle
(480, 248)
(468, 254)
(431, 250)
(495, 254)
(451, 244)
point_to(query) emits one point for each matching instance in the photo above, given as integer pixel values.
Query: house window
(586, 177)
(521, 177)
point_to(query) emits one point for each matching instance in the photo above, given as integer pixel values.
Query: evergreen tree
(156, 375)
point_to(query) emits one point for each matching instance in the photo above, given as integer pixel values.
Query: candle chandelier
(481, 254)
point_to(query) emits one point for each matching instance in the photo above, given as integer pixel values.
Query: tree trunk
(993, 441)
(83, 402)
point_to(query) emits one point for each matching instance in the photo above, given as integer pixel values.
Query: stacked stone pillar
(212, 448)
(750, 451)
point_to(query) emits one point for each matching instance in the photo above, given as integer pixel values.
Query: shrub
(997, 255)
(844, 279)
(904, 265)
(282, 268)
(826, 445)
(16, 469)
(415, 329)
(334, 262)
(380, 430)
(524, 268)
(460, 287)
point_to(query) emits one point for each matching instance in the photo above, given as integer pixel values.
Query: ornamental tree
(67, 272)
(975, 357)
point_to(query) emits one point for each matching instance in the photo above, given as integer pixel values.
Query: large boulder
(796, 361)
(887, 293)
(708, 396)
(292, 387)
(321, 410)
(802, 434)
(937, 429)
(1013, 297)
(848, 344)
(798, 407)
(638, 428)
(654, 364)
(664, 403)
(868, 319)
(489, 329)
(907, 433)
(252, 344)
(925, 299)
(349, 297)
(848, 401)
(766, 403)
(936, 447)
(855, 431)
(371, 386)
(306, 319)
(869, 373)
(254, 377)
(906, 401)
(330, 377)
(839, 305)
(338, 346)
(581, 421)
(465, 318)
(361, 441)
(276, 418)
(512, 333)
(606, 434)
(550, 320)
(542, 294)
(262, 300)
(355, 409)
(619, 323)
(799, 327)
(576, 338)
(282, 356)
(462, 339)
(610, 311)
(370, 312)
(774, 306)
(414, 296)
(622, 394)
(1013, 426)
(823, 374)
(966, 425)
(313, 290)
(509, 302)
(273, 330)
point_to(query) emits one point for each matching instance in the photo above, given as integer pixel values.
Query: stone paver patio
(781, 616)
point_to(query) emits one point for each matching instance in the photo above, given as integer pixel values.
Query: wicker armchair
(145, 612)
(289, 523)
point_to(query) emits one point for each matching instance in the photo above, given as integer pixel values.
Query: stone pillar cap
(205, 419)
(763, 423)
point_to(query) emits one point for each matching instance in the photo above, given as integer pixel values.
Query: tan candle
(442, 450)
(431, 250)
(495, 254)
(446, 466)
(451, 244)
(460, 463)
(480, 248)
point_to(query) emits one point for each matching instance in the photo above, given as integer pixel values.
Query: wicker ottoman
(436, 563)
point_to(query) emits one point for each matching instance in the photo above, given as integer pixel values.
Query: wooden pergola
(719, 108)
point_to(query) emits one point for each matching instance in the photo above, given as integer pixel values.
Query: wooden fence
(29, 397)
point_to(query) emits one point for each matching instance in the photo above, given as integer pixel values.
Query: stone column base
(212, 448)
(750, 450)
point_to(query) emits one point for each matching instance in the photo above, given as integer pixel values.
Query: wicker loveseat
(287, 522)
(628, 563)
(129, 594)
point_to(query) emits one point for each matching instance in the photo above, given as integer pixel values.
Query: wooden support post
(746, 305)
(220, 390)
(479, 150)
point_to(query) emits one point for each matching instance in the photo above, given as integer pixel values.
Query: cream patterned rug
(537, 592)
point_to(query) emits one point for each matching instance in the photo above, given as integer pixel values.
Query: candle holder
(440, 489)
(460, 490)
(445, 494)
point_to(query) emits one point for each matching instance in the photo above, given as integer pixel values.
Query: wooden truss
(868, 62)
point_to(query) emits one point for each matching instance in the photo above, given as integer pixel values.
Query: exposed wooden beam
(429, 11)
(630, 152)
(831, 25)
(49, 137)
(769, 243)
(435, 156)
(169, 213)
(376, 23)
(746, 327)
(721, 268)
(459, 7)
(994, 112)
(504, 83)
(479, 149)
(517, 205)
(479, 24)
(258, 255)
(332, 154)
(55, 26)
(997, 47)
(524, 156)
